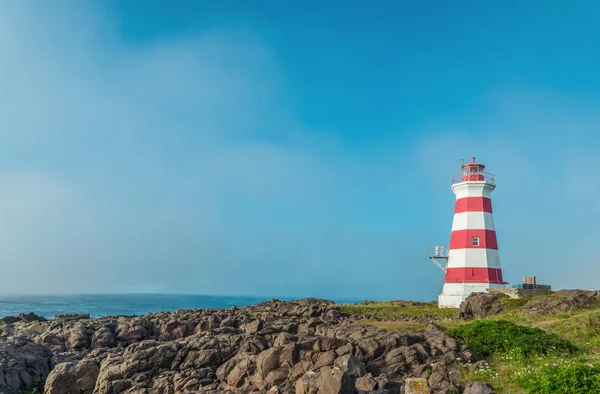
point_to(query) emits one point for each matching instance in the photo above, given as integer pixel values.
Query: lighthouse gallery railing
(485, 176)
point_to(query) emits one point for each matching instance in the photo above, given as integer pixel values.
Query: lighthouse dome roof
(473, 163)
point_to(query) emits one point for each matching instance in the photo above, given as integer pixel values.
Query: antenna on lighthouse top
(461, 161)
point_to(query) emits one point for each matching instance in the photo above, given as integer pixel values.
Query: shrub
(567, 379)
(487, 337)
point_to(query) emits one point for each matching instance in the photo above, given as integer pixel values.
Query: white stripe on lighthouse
(477, 258)
(472, 189)
(468, 288)
(473, 221)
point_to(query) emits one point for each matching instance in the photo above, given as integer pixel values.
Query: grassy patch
(566, 378)
(397, 309)
(558, 359)
(515, 374)
(582, 328)
(489, 337)
(399, 326)
(515, 304)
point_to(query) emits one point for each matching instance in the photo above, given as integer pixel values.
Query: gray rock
(308, 383)
(479, 388)
(23, 317)
(78, 338)
(104, 338)
(481, 305)
(373, 391)
(366, 383)
(23, 365)
(335, 381)
(72, 317)
(561, 301)
(324, 359)
(86, 373)
(253, 327)
(274, 390)
(351, 365)
(62, 380)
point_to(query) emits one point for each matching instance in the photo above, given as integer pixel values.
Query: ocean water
(126, 304)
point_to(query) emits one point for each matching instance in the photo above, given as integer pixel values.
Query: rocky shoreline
(305, 346)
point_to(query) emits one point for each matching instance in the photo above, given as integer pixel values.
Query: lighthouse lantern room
(471, 263)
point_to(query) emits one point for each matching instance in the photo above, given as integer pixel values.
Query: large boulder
(351, 365)
(253, 327)
(133, 330)
(23, 365)
(79, 337)
(327, 381)
(479, 388)
(308, 383)
(335, 381)
(366, 383)
(104, 338)
(62, 380)
(482, 305)
(86, 374)
(444, 378)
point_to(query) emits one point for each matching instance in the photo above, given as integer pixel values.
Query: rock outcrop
(481, 305)
(23, 365)
(562, 301)
(23, 317)
(479, 388)
(307, 346)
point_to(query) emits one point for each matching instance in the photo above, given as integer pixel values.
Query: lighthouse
(472, 263)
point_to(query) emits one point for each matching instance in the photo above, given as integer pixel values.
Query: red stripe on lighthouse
(473, 274)
(473, 204)
(460, 239)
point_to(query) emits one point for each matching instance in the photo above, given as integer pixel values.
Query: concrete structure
(472, 262)
(529, 287)
(519, 292)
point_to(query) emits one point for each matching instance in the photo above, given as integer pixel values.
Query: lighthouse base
(455, 293)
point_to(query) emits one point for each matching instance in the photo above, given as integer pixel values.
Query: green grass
(565, 378)
(398, 309)
(513, 374)
(515, 304)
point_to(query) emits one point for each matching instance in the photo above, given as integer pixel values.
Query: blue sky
(291, 148)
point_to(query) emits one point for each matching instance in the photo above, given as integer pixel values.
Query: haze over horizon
(298, 149)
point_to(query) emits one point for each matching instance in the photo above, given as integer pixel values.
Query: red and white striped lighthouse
(473, 264)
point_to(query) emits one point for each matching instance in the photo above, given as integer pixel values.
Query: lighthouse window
(475, 241)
